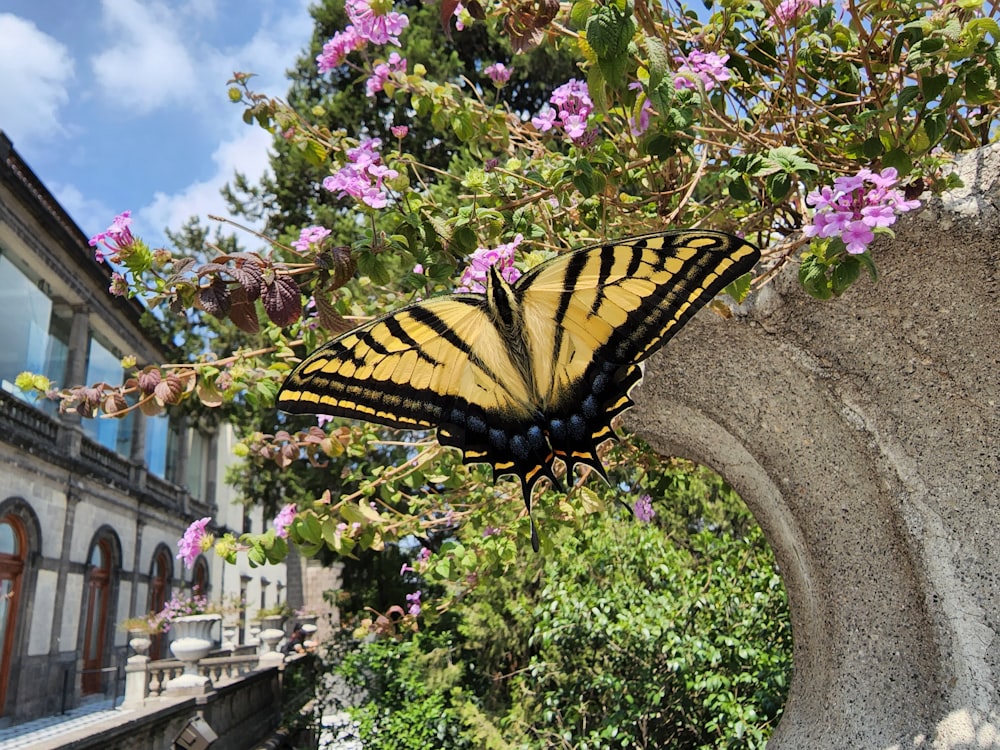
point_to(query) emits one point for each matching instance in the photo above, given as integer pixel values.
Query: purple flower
(375, 21)
(405, 568)
(284, 519)
(491, 531)
(789, 11)
(639, 121)
(117, 238)
(337, 48)
(119, 286)
(414, 600)
(499, 74)
(195, 541)
(424, 555)
(709, 67)
(570, 110)
(855, 206)
(474, 277)
(310, 236)
(363, 176)
(643, 509)
(322, 419)
(382, 71)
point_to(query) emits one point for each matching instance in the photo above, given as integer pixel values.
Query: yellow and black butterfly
(530, 371)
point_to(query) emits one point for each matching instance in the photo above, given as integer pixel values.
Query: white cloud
(149, 66)
(246, 152)
(35, 71)
(90, 214)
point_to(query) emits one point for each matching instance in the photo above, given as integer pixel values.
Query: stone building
(90, 509)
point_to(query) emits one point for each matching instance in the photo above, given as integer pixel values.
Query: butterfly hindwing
(529, 372)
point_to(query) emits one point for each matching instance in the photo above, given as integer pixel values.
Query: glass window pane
(8, 539)
(157, 436)
(103, 365)
(24, 325)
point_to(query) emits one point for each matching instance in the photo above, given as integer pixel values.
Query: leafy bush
(625, 635)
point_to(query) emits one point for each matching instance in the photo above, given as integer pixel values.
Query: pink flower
(643, 509)
(373, 20)
(498, 73)
(709, 67)
(119, 286)
(322, 419)
(400, 131)
(639, 122)
(570, 110)
(474, 277)
(337, 48)
(382, 71)
(855, 206)
(310, 236)
(414, 600)
(117, 238)
(424, 555)
(790, 11)
(363, 176)
(195, 541)
(284, 519)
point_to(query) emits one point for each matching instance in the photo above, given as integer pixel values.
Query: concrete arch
(864, 434)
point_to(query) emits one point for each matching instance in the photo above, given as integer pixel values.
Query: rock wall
(863, 434)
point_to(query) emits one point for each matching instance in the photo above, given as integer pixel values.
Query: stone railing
(220, 670)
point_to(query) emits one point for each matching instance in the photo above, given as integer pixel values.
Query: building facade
(91, 510)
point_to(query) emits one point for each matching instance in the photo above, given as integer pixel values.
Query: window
(96, 623)
(28, 327)
(197, 464)
(103, 365)
(159, 591)
(12, 555)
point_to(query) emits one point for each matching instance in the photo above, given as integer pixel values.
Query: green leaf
(609, 33)
(899, 159)
(812, 276)
(740, 189)
(845, 273)
(740, 288)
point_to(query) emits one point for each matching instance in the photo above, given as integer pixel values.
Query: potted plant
(191, 619)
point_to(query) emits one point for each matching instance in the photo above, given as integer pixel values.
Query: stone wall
(863, 434)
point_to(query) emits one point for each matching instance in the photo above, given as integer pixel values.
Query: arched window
(13, 550)
(101, 565)
(159, 591)
(199, 579)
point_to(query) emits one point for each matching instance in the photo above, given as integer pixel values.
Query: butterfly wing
(592, 315)
(411, 368)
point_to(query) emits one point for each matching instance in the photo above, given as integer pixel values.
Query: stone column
(864, 434)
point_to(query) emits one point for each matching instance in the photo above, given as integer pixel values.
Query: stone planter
(272, 622)
(192, 642)
(139, 641)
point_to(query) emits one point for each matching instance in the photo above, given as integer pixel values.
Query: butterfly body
(527, 372)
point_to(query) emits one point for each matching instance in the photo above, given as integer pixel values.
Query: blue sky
(120, 104)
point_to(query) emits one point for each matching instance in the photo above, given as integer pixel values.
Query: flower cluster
(363, 176)
(707, 67)
(382, 71)
(196, 540)
(789, 11)
(284, 519)
(474, 277)
(498, 73)
(414, 600)
(643, 509)
(116, 239)
(371, 21)
(310, 236)
(855, 206)
(570, 110)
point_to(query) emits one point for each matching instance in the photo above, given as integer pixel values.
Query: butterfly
(529, 372)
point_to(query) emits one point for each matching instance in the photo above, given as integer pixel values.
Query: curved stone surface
(863, 434)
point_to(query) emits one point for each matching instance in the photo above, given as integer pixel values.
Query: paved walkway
(42, 732)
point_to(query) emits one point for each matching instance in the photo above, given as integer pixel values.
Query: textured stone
(863, 434)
